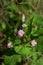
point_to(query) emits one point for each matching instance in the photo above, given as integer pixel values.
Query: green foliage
(12, 60)
(12, 7)
(40, 61)
(25, 51)
(21, 50)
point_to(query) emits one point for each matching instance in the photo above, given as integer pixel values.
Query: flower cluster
(21, 34)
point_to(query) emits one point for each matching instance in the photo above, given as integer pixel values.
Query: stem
(31, 27)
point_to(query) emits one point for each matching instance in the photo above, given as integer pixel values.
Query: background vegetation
(14, 13)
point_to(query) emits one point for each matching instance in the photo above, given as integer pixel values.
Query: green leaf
(17, 41)
(17, 48)
(3, 25)
(11, 60)
(27, 44)
(34, 30)
(25, 51)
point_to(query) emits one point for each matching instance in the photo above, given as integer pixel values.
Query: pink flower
(21, 33)
(24, 25)
(33, 42)
(9, 45)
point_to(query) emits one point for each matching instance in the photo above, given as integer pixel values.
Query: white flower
(23, 18)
